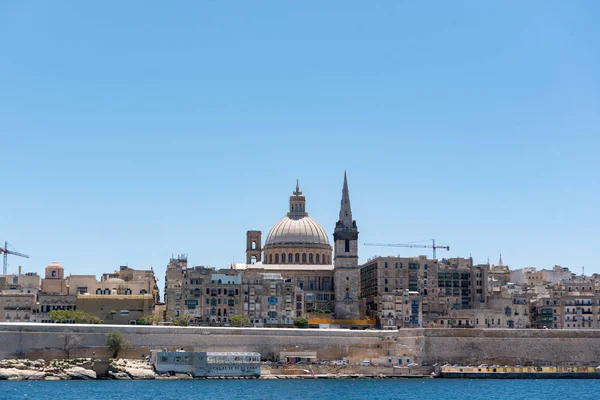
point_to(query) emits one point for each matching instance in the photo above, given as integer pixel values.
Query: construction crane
(6, 252)
(412, 245)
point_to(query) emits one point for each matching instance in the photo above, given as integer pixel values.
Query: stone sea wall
(492, 346)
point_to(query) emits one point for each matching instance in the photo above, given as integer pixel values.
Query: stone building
(29, 282)
(288, 277)
(127, 281)
(16, 306)
(572, 304)
(385, 281)
(173, 285)
(54, 279)
(47, 302)
(400, 309)
(271, 300)
(297, 249)
(116, 309)
(210, 296)
(451, 284)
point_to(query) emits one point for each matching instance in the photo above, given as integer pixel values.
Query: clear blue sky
(134, 130)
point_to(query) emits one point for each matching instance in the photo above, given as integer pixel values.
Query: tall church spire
(345, 210)
(346, 272)
(500, 263)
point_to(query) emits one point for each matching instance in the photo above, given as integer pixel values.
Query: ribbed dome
(297, 231)
(115, 280)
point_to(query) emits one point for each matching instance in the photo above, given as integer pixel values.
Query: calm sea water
(303, 389)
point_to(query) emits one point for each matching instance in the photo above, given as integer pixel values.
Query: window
(276, 258)
(82, 290)
(53, 273)
(347, 246)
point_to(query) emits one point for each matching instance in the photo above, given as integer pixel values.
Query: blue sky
(134, 130)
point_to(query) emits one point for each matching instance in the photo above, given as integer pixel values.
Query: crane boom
(410, 245)
(6, 252)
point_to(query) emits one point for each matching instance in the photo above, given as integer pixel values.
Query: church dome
(297, 231)
(297, 238)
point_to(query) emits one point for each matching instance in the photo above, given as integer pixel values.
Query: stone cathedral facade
(298, 251)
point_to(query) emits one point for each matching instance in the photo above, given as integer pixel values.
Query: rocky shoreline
(130, 369)
(75, 369)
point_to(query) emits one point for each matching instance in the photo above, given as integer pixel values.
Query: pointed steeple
(500, 263)
(345, 208)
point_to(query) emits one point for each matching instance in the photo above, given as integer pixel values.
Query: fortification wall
(491, 346)
(510, 346)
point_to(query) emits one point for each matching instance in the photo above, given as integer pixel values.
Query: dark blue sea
(302, 389)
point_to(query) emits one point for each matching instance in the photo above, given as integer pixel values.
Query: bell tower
(253, 247)
(346, 272)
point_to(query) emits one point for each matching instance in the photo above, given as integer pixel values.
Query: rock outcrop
(79, 373)
(135, 369)
(20, 374)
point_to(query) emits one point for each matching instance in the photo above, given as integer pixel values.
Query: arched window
(310, 258)
(143, 291)
(347, 294)
(98, 291)
(252, 260)
(290, 258)
(297, 257)
(253, 245)
(106, 291)
(318, 258)
(270, 258)
(276, 258)
(127, 291)
(303, 258)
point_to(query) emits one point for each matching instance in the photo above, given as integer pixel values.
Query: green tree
(183, 320)
(300, 322)
(239, 320)
(149, 320)
(74, 317)
(116, 342)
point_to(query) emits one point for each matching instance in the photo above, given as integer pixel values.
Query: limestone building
(297, 249)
